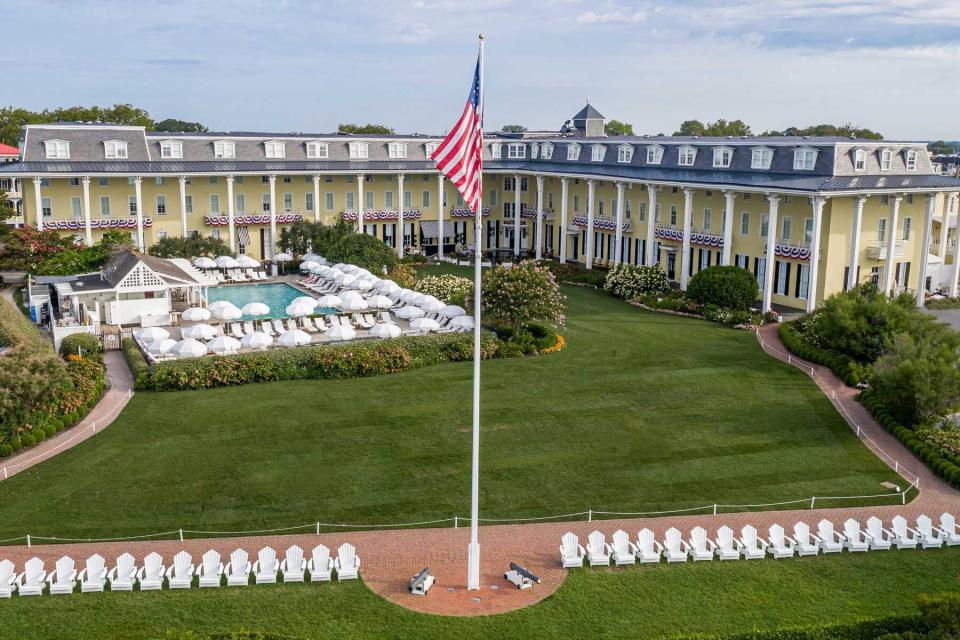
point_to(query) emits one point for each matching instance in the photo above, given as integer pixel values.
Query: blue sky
(287, 65)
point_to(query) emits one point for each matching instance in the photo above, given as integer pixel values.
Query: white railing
(878, 250)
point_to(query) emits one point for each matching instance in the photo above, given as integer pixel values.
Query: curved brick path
(390, 558)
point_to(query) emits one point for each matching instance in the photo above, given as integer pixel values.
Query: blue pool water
(276, 296)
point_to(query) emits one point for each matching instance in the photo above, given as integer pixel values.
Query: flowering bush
(512, 297)
(449, 288)
(403, 274)
(630, 281)
(560, 343)
(946, 439)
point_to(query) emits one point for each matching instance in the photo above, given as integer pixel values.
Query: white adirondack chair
(781, 545)
(701, 547)
(238, 569)
(830, 540)
(876, 535)
(151, 573)
(266, 567)
(94, 575)
(648, 549)
(63, 578)
(347, 563)
(30, 581)
(903, 536)
(293, 565)
(8, 579)
(752, 547)
(674, 548)
(124, 575)
(806, 544)
(321, 564)
(726, 549)
(598, 551)
(180, 573)
(571, 551)
(854, 539)
(949, 531)
(930, 536)
(624, 551)
(210, 571)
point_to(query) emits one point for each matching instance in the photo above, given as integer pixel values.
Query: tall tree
(6, 209)
(845, 130)
(941, 148)
(690, 128)
(617, 128)
(172, 124)
(719, 128)
(365, 128)
(513, 128)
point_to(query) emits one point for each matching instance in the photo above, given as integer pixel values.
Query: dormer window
(516, 151)
(430, 147)
(546, 150)
(625, 153)
(761, 158)
(397, 150)
(275, 149)
(224, 149)
(58, 149)
(654, 154)
(573, 151)
(910, 159)
(318, 150)
(171, 150)
(496, 151)
(597, 152)
(686, 156)
(860, 160)
(722, 157)
(359, 150)
(534, 151)
(886, 159)
(115, 149)
(804, 159)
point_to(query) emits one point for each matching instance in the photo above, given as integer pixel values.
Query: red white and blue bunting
(118, 223)
(466, 213)
(600, 223)
(793, 253)
(223, 221)
(529, 212)
(374, 216)
(676, 235)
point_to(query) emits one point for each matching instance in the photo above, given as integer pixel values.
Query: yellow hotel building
(837, 211)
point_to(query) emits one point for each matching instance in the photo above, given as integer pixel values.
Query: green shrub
(28, 440)
(363, 250)
(39, 435)
(518, 295)
(139, 368)
(189, 247)
(727, 287)
(413, 258)
(630, 281)
(5, 450)
(572, 273)
(80, 343)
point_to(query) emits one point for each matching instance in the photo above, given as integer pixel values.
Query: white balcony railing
(879, 250)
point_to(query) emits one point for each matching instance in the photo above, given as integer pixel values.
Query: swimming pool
(276, 296)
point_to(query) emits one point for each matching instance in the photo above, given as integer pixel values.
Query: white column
(925, 248)
(892, 245)
(399, 240)
(855, 242)
(730, 197)
(360, 179)
(539, 228)
(273, 215)
(771, 251)
(564, 188)
(316, 198)
(817, 203)
(38, 201)
(516, 215)
(591, 190)
(687, 230)
(230, 228)
(183, 206)
(955, 277)
(138, 191)
(948, 206)
(88, 231)
(618, 239)
(651, 223)
(476, 241)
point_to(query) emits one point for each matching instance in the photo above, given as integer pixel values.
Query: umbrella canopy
(375, 281)
(320, 269)
(345, 279)
(380, 302)
(301, 307)
(332, 274)
(161, 346)
(219, 304)
(256, 340)
(199, 332)
(308, 265)
(388, 286)
(203, 262)
(341, 333)
(228, 313)
(282, 257)
(255, 309)
(363, 273)
(452, 311)
(196, 314)
(293, 338)
(349, 294)
(248, 262)
(311, 256)
(305, 299)
(431, 306)
(361, 284)
(226, 262)
(329, 301)
(153, 333)
(407, 295)
(224, 344)
(464, 322)
(354, 304)
(385, 330)
(346, 268)
(425, 324)
(189, 349)
(410, 313)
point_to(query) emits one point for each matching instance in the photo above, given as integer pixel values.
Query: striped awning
(243, 236)
(429, 228)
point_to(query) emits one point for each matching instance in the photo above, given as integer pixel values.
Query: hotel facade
(836, 211)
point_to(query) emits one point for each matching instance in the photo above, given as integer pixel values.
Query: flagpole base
(473, 566)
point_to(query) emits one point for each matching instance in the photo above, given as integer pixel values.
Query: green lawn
(641, 411)
(639, 602)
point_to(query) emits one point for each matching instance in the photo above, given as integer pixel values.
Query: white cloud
(615, 16)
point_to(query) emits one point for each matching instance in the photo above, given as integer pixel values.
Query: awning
(243, 236)
(429, 228)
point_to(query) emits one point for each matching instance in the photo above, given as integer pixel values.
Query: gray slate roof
(588, 112)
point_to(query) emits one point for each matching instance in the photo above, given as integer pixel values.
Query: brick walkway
(390, 558)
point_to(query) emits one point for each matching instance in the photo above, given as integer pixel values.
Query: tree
(364, 251)
(366, 128)
(845, 130)
(719, 128)
(513, 128)
(189, 247)
(941, 148)
(12, 121)
(6, 209)
(512, 297)
(172, 124)
(860, 323)
(690, 128)
(617, 128)
(304, 236)
(727, 287)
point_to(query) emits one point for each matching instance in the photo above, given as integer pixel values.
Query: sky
(289, 65)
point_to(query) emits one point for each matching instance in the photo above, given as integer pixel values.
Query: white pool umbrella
(385, 330)
(150, 334)
(320, 269)
(407, 295)
(361, 284)
(161, 346)
(452, 311)
(409, 313)
(308, 265)
(255, 309)
(375, 281)
(195, 314)
(189, 348)
(417, 299)
(464, 322)
(354, 304)
(349, 268)
(203, 262)
(340, 266)
(293, 338)
(256, 340)
(332, 274)
(345, 279)
(300, 307)
(431, 306)
(224, 344)
(305, 299)
(228, 313)
(329, 301)
(199, 332)
(219, 304)
(247, 262)
(311, 256)
(380, 302)
(425, 324)
(388, 286)
(282, 257)
(362, 273)
(349, 293)
(341, 333)
(226, 262)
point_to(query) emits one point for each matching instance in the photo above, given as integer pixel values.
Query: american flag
(459, 156)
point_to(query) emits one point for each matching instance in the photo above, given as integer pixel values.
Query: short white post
(858, 431)
(318, 528)
(896, 466)
(4, 473)
(129, 393)
(590, 516)
(904, 496)
(456, 522)
(714, 508)
(94, 425)
(28, 541)
(181, 535)
(813, 501)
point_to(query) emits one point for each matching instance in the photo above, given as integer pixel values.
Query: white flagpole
(473, 552)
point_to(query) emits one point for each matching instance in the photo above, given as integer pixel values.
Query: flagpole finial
(481, 36)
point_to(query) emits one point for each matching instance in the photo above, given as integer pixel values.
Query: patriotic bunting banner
(466, 213)
(373, 216)
(223, 221)
(599, 223)
(120, 223)
(702, 239)
(793, 253)
(527, 212)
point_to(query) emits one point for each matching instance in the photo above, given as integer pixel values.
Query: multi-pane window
(881, 230)
(654, 154)
(911, 159)
(573, 151)
(804, 159)
(359, 150)
(744, 223)
(496, 151)
(397, 149)
(388, 199)
(429, 148)
(132, 205)
(46, 207)
(546, 150)
(624, 153)
(288, 202)
(407, 200)
(786, 228)
(369, 202)
(265, 202)
(213, 179)
(886, 159)
(241, 203)
(188, 201)
(761, 157)
(103, 181)
(707, 219)
(308, 201)
(57, 149)
(171, 149)
(425, 199)
(516, 151)
(597, 152)
(860, 160)
(224, 149)
(275, 149)
(722, 156)
(808, 231)
(75, 207)
(764, 225)
(673, 215)
(104, 206)
(214, 203)
(161, 205)
(329, 201)
(907, 225)
(317, 150)
(686, 156)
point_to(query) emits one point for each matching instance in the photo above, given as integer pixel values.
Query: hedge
(842, 365)
(139, 368)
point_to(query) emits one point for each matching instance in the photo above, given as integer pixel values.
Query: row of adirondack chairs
(180, 574)
(750, 546)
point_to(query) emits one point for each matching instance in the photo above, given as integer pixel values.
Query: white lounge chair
(235, 330)
(347, 563)
(278, 326)
(266, 567)
(8, 579)
(321, 564)
(598, 551)
(265, 327)
(293, 565)
(307, 325)
(903, 536)
(571, 552)
(151, 573)
(623, 551)
(930, 537)
(30, 581)
(124, 574)
(239, 277)
(726, 547)
(807, 544)
(210, 570)
(830, 540)
(94, 575)
(648, 549)
(781, 545)
(219, 277)
(701, 547)
(949, 531)
(752, 547)
(876, 536)
(238, 569)
(674, 548)
(63, 578)
(292, 324)
(180, 573)
(854, 540)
